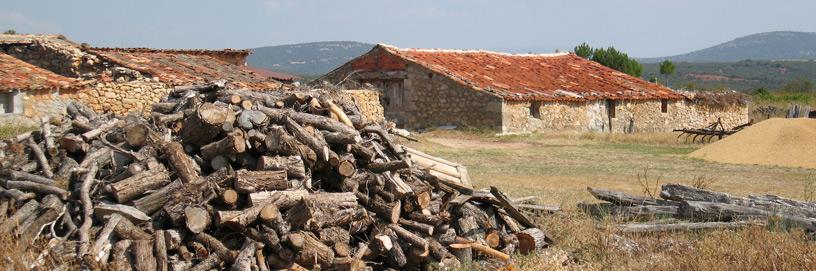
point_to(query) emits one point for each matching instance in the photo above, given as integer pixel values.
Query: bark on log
(255, 181)
(41, 159)
(152, 202)
(183, 165)
(37, 187)
(624, 199)
(531, 239)
(143, 255)
(136, 185)
(508, 206)
(293, 165)
(681, 227)
(678, 192)
(222, 251)
(127, 230)
(103, 244)
(24, 212)
(311, 252)
(203, 126)
(411, 238)
(232, 144)
(160, 250)
(87, 212)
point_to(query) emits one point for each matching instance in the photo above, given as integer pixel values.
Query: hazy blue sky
(641, 27)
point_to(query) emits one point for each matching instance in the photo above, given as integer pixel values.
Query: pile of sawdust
(776, 142)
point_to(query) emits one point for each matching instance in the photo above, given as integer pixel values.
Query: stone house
(124, 80)
(520, 93)
(28, 91)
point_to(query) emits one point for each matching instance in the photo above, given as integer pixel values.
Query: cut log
(160, 250)
(203, 126)
(127, 230)
(197, 219)
(679, 192)
(37, 187)
(245, 259)
(232, 144)
(425, 229)
(531, 239)
(183, 164)
(143, 255)
(136, 185)
(119, 255)
(255, 181)
(215, 245)
(87, 136)
(283, 199)
(41, 159)
(484, 250)
(103, 244)
(210, 263)
(154, 201)
(508, 206)
(50, 208)
(311, 252)
(624, 199)
(87, 211)
(681, 227)
(411, 238)
(292, 164)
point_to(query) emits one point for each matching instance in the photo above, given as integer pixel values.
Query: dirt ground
(557, 168)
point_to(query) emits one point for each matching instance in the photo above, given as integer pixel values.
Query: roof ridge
(155, 50)
(472, 51)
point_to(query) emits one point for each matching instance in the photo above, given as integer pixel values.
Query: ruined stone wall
(124, 97)
(630, 116)
(368, 101)
(60, 59)
(433, 100)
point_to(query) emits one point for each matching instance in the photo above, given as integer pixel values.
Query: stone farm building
(519, 93)
(41, 72)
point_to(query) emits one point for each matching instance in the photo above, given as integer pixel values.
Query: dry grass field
(557, 168)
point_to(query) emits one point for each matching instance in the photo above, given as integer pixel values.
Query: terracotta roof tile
(271, 74)
(558, 76)
(16, 74)
(180, 67)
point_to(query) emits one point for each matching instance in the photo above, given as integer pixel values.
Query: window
(610, 108)
(535, 109)
(7, 103)
(664, 106)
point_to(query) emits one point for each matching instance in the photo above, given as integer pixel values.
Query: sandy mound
(777, 142)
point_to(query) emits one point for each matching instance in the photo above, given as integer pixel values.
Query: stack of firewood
(218, 178)
(689, 208)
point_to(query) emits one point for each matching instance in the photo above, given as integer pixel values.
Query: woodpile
(218, 178)
(701, 209)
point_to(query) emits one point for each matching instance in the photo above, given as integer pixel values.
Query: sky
(642, 28)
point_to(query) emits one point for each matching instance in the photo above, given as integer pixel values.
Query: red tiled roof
(16, 74)
(179, 67)
(231, 52)
(271, 74)
(546, 77)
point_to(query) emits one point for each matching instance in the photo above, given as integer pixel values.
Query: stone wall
(124, 97)
(61, 59)
(432, 100)
(369, 103)
(554, 116)
(630, 116)
(37, 104)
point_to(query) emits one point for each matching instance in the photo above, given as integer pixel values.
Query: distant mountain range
(780, 45)
(307, 59)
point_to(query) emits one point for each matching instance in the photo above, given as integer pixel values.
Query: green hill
(307, 59)
(744, 75)
(780, 45)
